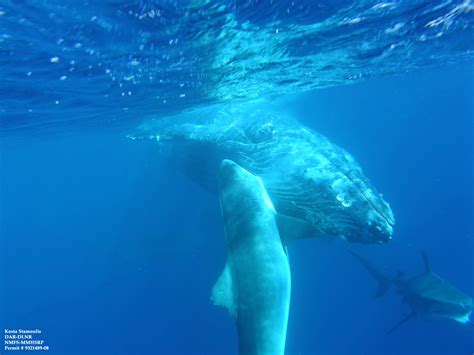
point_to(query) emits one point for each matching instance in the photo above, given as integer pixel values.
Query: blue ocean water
(108, 250)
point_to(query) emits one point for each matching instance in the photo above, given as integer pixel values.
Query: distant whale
(309, 179)
(255, 285)
(428, 295)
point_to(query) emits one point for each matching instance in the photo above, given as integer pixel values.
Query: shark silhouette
(428, 295)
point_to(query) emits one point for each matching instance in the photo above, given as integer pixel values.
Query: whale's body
(255, 285)
(307, 177)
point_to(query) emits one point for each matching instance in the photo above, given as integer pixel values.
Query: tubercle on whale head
(375, 230)
(360, 221)
(359, 218)
(380, 219)
(344, 202)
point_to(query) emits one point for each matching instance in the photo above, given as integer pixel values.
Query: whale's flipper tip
(222, 292)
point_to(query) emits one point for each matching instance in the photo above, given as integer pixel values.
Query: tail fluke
(383, 280)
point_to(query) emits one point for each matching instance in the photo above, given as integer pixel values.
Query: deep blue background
(108, 251)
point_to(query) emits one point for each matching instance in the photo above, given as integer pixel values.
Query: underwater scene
(237, 177)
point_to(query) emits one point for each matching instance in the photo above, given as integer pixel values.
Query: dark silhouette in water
(427, 294)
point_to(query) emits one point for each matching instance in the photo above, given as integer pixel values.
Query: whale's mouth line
(374, 206)
(388, 219)
(382, 214)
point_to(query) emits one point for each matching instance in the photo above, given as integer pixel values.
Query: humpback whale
(428, 295)
(308, 178)
(255, 285)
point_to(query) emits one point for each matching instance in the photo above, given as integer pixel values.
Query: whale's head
(322, 184)
(243, 197)
(342, 202)
(365, 217)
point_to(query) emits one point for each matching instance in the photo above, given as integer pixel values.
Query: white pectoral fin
(291, 228)
(223, 293)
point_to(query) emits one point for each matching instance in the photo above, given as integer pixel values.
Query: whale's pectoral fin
(223, 293)
(291, 228)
